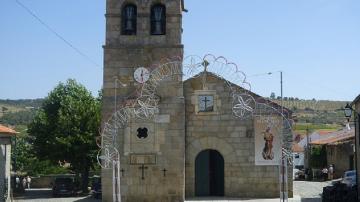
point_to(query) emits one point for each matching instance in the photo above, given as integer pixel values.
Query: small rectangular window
(206, 103)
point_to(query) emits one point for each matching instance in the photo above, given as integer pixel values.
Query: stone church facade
(185, 151)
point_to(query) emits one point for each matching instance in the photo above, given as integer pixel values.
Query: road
(42, 195)
(308, 191)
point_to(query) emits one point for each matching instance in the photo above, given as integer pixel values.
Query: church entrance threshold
(209, 173)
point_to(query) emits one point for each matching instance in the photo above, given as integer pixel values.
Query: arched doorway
(209, 173)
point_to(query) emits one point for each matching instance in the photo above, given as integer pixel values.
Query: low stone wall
(42, 182)
(45, 181)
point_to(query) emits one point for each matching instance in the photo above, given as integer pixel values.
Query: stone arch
(198, 145)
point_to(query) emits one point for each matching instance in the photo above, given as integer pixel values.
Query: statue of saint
(268, 153)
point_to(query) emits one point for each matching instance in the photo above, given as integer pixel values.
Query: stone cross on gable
(205, 64)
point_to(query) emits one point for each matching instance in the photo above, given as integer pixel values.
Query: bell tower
(141, 34)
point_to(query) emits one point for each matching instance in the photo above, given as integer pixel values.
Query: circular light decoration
(141, 75)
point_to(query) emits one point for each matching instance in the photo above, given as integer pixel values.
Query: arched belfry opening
(158, 19)
(129, 20)
(209, 173)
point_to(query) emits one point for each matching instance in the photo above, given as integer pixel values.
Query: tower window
(128, 20)
(158, 19)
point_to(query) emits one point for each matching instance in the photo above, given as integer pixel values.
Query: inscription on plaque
(139, 159)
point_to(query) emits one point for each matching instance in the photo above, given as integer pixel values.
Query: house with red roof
(340, 150)
(356, 107)
(5, 159)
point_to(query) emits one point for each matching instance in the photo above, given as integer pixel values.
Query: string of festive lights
(245, 104)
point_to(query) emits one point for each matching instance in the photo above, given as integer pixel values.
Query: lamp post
(283, 163)
(348, 111)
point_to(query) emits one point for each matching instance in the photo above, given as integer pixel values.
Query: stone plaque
(139, 159)
(162, 118)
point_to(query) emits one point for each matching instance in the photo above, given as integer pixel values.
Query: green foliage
(313, 127)
(18, 118)
(65, 127)
(24, 159)
(22, 103)
(272, 96)
(318, 157)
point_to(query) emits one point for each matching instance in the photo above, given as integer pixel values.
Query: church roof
(258, 98)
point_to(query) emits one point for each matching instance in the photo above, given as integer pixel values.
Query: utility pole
(307, 148)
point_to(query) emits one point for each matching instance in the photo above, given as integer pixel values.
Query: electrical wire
(56, 33)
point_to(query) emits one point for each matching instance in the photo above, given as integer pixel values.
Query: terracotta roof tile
(333, 139)
(7, 130)
(297, 148)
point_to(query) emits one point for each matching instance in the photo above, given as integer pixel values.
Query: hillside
(308, 114)
(311, 105)
(18, 112)
(315, 115)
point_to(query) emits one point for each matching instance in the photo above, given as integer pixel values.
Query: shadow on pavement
(34, 194)
(87, 199)
(311, 200)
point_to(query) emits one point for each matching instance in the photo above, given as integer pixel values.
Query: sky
(315, 43)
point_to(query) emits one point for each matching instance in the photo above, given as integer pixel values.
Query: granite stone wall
(162, 153)
(232, 138)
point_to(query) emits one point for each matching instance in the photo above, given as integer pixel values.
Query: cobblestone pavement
(42, 195)
(309, 191)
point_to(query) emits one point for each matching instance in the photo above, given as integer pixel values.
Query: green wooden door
(209, 174)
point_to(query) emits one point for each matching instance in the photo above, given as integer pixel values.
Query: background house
(356, 106)
(5, 159)
(340, 150)
(298, 156)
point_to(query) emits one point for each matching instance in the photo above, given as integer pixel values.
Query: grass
(304, 126)
(10, 108)
(301, 128)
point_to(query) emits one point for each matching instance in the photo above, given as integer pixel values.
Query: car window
(349, 174)
(63, 180)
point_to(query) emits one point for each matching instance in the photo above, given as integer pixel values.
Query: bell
(158, 28)
(129, 25)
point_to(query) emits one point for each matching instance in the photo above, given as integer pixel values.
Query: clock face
(141, 75)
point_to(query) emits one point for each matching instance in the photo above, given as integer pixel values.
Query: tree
(65, 127)
(24, 159)
(272, 96)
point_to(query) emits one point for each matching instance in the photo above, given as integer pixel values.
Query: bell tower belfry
(140, 34)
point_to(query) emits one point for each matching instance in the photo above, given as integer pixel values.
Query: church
(191, 143)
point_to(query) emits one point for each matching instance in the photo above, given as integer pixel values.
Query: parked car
(349, 178)
(96, 187)
(63, 186)
(343, 190)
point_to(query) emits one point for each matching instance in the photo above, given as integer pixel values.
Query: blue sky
(315, 43)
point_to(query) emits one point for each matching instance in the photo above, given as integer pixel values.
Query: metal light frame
(145, 105)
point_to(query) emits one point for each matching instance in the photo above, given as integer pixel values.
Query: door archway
(209, 173)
